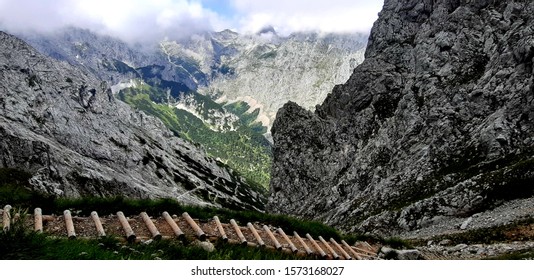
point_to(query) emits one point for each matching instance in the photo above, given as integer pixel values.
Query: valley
(417, 139)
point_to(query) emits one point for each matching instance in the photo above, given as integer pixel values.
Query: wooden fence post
(220, 228)
(317, 247)
(130, 235)
(69, 224)
(271, 235)
(256, 235)
(38, 220)
(151, 227)
(175, 228)
(200, 234)
(98, 224)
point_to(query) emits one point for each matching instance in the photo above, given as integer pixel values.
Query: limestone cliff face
(64, 127)
(437, 122)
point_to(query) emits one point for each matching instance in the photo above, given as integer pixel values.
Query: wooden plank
(38, 220)
(356, 255)
(334, 254)
(175, 228)
(317, 247)
(340, 249)
(306, 247)
(156, 235)
(272, 237)
(69, 224)
(98, 224)
(256, 235)
(198, 231)
(237, 230)
(288, 241)
(6, 218)
(220, 229)
(130, 235)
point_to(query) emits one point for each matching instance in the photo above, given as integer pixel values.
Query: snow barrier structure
(143, 227)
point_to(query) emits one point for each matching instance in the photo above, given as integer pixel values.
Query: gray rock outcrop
(436, 123)
(65, 128)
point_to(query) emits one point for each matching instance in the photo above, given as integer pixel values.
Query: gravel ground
(502, 215)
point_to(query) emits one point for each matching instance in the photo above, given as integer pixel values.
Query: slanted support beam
(272, 237)
(220, 229)
(288, 241)
(306, 247)
(130, 235)
(38, 220)
(261, 243)
(347, 246)
(6, 218)
(334, 254)
(200, 234)
(175, 228)
(316, 246)
(340, 249)
(69, 224)
(237, 230)
(156, 235)
(98, 224)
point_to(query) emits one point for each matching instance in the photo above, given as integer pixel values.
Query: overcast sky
(145, 20)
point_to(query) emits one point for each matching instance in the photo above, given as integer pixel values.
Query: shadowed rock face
(437, 122)
(64, 127)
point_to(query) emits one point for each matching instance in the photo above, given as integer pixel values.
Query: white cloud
(303, 15)
(131, 20)
(152, 20)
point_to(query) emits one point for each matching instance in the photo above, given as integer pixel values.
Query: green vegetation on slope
(244, 149)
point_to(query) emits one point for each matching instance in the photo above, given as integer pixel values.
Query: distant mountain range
(218, 89)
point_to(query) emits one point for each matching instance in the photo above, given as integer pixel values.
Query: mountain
(434, 127)
(64, 127)
(218, 89)
(264, 70)
(267, 70)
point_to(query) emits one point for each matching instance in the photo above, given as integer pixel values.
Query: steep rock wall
(437, 122)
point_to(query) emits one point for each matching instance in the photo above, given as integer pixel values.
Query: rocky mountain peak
(436, 124)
